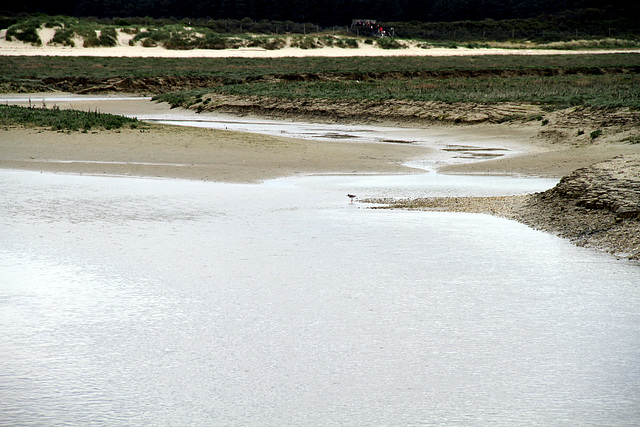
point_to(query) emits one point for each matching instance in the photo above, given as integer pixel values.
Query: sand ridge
(123, 49)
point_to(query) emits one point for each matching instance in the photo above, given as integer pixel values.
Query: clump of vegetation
(184, 98)
(446, 45)
(185, 38)
(25, 31)
(106, 37)
(389, 43)
(64, 37)
(341, 42)
(596, 133)
(306, 42)
(268, 43)
(57, 119)
(350, 43)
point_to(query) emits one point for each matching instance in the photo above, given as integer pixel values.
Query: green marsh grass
(57, 119)
(558, 91)
(29, 67)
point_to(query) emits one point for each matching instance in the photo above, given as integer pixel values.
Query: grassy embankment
(601, 81)
(62, 120)
(607, 80)
(553, 81)
(555, 92)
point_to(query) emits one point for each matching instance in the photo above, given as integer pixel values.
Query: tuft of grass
(306, 42)
(64, 37)
(268, 43)
(26, 31)
(105, 37)
(387, 43)
(63, 120)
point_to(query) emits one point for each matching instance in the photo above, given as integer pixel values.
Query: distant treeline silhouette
(328, 12)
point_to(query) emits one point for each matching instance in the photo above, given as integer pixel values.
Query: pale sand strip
(16, 48)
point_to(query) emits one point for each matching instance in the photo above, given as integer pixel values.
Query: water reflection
(142, 301)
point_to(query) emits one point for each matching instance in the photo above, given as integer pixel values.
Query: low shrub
(106, 37)
(344, 43)
(387, 43)
(269, 43)
(145, 42)
(351, 43)
(306, 43)
(25, 33)
(64, 37)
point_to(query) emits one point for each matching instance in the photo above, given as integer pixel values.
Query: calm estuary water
(128, 301)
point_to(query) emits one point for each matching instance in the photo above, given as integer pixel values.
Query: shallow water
(140, 301)
(447, 149)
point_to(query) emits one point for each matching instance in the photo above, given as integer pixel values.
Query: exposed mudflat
(596, 206)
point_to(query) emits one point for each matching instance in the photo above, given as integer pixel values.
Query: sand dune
(16, 48)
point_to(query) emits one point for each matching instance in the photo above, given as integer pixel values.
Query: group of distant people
(377, 30)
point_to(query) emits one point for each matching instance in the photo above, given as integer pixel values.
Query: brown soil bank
(597, 206)
(425, 112)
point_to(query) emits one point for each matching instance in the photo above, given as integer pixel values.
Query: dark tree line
(326, 12)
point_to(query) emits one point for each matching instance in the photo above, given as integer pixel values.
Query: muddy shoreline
(556, 148)
(597, 207)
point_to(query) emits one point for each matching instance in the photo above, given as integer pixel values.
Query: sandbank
(193, 153)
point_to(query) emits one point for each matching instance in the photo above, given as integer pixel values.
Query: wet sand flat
(226, 156)
(203, 154)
